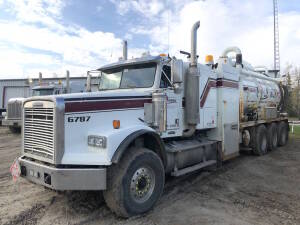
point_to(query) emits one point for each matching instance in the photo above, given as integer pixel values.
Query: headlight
(97, 141)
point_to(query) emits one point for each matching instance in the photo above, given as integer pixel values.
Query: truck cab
(48, 90)
(145, 76)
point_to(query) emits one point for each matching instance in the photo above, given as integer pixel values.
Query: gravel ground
(246, 190)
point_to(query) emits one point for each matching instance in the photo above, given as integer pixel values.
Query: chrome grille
(14, 110)
(39, 133)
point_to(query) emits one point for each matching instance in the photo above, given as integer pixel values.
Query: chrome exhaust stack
(68, 81)
(194, 44)
(192, 87)
(125, 50)
(88, 82)
(40, 78)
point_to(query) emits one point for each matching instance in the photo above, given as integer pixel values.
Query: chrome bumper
(12, 122)
(63, 178)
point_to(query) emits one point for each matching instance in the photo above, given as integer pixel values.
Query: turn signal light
(116, 124)
(209, 59)
(163, 55)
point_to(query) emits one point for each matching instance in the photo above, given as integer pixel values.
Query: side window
(164, 83)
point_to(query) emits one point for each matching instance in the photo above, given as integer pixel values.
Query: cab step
(185, 156)
(189, 169)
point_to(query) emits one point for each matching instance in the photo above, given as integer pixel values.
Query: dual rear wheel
(283, 133)
(267, 138)
(261, 140)
(272, 136)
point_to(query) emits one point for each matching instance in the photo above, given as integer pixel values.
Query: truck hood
(106, 94)
(101, 100)
(16, 100)
(98, 94)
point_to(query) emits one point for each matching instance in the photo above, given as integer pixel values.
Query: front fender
(151, 139)
(116, 137)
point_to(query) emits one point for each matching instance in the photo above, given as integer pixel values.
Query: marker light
(163, 55)
(209, 59)
(116, 124)
(97, 141)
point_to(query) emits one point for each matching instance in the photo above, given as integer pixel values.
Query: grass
(293, 119)
(296, 131)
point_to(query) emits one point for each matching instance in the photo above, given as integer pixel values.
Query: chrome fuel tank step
(188, 155)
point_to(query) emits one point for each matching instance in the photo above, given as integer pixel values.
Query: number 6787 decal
(76, 119)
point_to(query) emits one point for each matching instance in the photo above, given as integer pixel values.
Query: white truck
(13, 117)
(152, 116)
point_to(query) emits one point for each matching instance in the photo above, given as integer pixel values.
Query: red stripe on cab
(105, 105)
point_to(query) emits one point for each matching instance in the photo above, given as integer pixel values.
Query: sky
(52, 36)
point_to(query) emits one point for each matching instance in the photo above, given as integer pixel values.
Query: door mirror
(176, 71)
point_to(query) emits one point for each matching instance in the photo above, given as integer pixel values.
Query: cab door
(174, 103)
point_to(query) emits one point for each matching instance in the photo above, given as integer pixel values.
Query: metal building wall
(22, 88)
(18, 84)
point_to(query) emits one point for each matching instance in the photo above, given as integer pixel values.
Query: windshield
(133, 76)
(41, 92)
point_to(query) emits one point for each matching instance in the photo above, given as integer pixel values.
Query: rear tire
(261, 141)
(272, 136)
(135, 183)
(283, 133)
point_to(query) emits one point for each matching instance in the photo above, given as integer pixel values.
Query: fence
(294, 123)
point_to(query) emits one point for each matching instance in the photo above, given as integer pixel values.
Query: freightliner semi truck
(153, 116)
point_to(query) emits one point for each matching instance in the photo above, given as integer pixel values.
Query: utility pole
(276, 40)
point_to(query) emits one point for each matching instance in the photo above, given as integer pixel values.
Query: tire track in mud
(265, 203)
(227, 193)
(29, 216)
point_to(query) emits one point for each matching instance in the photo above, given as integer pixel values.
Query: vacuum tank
(261, 97)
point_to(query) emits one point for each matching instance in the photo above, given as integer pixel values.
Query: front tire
(135, 183)
(261, 141)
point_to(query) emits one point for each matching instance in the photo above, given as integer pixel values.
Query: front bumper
(63, 178)
(12, 123)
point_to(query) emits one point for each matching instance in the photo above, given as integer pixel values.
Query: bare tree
(292, 81)
(297, 90)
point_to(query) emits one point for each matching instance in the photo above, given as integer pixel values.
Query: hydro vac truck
(152, 116)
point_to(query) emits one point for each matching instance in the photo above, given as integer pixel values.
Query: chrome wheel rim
(142, 184)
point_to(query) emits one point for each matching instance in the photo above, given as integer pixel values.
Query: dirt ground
(246, 190)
